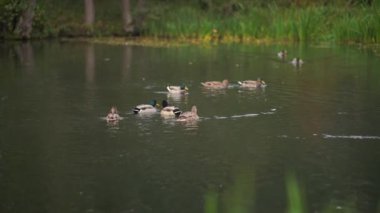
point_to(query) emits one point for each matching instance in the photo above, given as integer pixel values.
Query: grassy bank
(311, 24)
(227, 23)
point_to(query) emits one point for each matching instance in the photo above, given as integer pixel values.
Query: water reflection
(252, 91)
(113, 126)
(320, 123)
(146, 122)
(213, 92)
(189, 125)
(170, 121)
(252, 94)
(89, 73)
(25, 54)
(177, 98)
(90, 63)
(126, 62)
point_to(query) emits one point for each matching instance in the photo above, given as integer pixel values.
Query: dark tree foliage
(51, 17)
(16, 17)
(208, 4)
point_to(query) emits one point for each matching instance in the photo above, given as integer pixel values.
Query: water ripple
(355, 137)
(247, 115)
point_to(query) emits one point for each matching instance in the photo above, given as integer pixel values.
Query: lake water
(319, 123)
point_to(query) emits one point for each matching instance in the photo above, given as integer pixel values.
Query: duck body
(146, 108)
(113, 115)
(282, 54)
(297, 62)
(189, 116)
(169, 111)
(215, 84)
(252, 83)
(177, 89)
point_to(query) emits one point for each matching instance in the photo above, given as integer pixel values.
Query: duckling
(169, 110)
(297, 62)
(282, 54)
(113, 115)
(178, 89)
(146, 108)
(215, 84)
(252, 84)
(189, 116)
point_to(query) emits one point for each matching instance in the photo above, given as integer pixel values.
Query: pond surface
(315, 128)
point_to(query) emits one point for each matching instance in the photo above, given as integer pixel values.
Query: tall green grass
(273, 23)
(296, 202)
(358, 25)
(298, 25)
(244, 22)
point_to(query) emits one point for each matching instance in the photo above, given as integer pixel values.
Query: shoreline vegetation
(203, 21)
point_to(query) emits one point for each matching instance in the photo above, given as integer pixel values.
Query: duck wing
(187, 116)
(142, 107)
(211, 83)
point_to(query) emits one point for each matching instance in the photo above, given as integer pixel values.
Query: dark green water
(320, 122)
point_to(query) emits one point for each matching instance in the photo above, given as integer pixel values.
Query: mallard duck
(146, 108)
(282, 54)
(113, 115)
(177, 89)
(169, 110)
(215, 84)
(189, 116)
(297, 62)
(252, 84)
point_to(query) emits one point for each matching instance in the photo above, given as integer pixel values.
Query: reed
(241, 196)
(293, 24)
(359, 25)
(246, 22)
(296, 200)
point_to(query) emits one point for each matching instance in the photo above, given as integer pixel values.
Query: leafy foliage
(209, 20)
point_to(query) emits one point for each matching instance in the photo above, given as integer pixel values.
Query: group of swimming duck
(283, 54)
(167, 111)
(153, 107)
(174, 112)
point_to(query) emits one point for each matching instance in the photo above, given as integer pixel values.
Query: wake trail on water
(247, 115)
(354, 137)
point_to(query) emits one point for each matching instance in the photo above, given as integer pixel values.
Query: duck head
(184, 87)
(113, 110)
(153, 103)
(165, 103)
(194, 110)
(261, 82)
